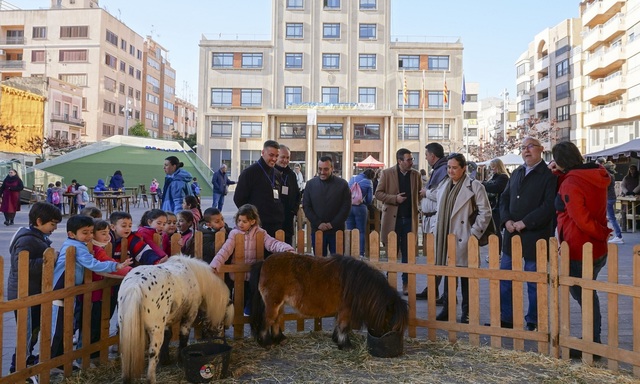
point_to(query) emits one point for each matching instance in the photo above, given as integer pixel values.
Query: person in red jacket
(581, 206)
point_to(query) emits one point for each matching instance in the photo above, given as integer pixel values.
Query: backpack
(85, 197)
(356, 194)
(55, 197)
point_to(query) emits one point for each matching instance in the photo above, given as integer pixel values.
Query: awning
(508, 159)
(629, 149)
(370, 162)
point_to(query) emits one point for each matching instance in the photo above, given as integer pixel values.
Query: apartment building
(493, 114)
(159, 85)
(611, 54)
(548, 96)
(330, 81)
(185, 118)
(82, 45)
(470, 133)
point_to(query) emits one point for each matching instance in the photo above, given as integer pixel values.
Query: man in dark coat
(220, 181)
(290, 193)
(260, 184)
(527, 210)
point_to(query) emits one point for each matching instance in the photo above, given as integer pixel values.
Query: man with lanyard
(260, 184)
(429, 204)
(290, 196)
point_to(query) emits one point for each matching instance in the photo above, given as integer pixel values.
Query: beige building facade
(331, 81)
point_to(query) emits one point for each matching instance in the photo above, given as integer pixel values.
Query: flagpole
(423, 102)
(404, 98)
(444, 83)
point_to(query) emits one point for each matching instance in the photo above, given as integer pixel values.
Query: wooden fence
(552, 337)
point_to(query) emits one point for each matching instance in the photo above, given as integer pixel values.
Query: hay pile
(314, 358)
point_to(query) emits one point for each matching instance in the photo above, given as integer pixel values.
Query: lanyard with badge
(272, 181)
(285, 186)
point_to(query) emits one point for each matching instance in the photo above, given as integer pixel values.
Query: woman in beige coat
(455, 209)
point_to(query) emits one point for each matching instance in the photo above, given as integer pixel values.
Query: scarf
(444, 214)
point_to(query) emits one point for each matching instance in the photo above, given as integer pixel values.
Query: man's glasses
(409, 160)
(529, 147)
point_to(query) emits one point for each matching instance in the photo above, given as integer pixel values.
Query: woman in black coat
(494, 187)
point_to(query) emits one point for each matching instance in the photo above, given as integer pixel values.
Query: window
(330, 61)
(368, 4)
(435, 131)
(109, 107)
(130, 94)
(168, 105)
(123, 67)
(366, 131)
(138, 94)
(39, 33)
(109, 84)
(411, 132)
(152, 98)
(435, 99)
(562, 90)
(251, 129)
(131, 70)
(293, 130)
(138, 54)
(294, 4)
(251, 97)
(247, 158)
(155, 83)
(367, 31)
(331, 31)
(366, 95)
(123, 45)
(293, 60)
(329, 131)
(562, 68)
(523, 107)
(520, 70)
(562, 113)
(108, 130)
(470, 115)
(330, 95)
(438, 63)
(367, 61)
(332, 4)
(109, 60)
(77, 79)
(138, 74)
(121, 88)
(169, 90)
(220, 156)
(337, 161)
(132, 51)
(220, 129)
(112, 38)
(292, 95)
(252, 60)
(37, 56)
(221, 97)
(409, 62)
(413, 99)
(472, 98)
(73, 55)
(170, 72)
(153, 63)
(294, 31)
(222, 60)
(74, 31)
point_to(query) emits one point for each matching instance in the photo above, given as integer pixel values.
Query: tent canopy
(629, 149)
(508, 159)
(370, 162)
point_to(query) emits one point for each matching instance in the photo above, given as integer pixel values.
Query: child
(152, 222)
(101, 238)
(79, 232)
(212, 222)
(57, 193)
(121, 228)
(191, 203)
(186, 225)
(170, 228)
(195, 189)
(92, 212)
(247, 223)
(43, 220)
(50, 193)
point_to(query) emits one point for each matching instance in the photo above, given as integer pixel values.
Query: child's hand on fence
(162, 260)
(125, 263)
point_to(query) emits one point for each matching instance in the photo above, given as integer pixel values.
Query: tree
(139, 130)
(57, 144)
(190, 140)
(9, 134)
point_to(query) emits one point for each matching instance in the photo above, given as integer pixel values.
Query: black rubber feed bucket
(391, 344)
(203, 362)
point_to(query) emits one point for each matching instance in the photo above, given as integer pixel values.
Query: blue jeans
(328, 243)
(218, 201)
(506, 289)
(358, 219)
(611, 215)
(575, 270)
(403, 227)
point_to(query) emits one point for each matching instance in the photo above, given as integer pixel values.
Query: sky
(494, 33)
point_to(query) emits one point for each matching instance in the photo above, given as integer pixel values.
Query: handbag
(491, 227)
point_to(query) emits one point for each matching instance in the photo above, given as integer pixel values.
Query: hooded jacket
(116, 182)
(176, 187)
(581, 206)
(100, 187)
(35, 242)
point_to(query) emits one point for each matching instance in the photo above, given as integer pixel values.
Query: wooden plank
(636, 308)
(451, 287)
(542, 292)
(430, 251)
(587, 301)
(21, 321)
(613, 322)
(411, 280)
(517, 291)
(554, 309)
(473, 251)
(494, 293)
(565, 308)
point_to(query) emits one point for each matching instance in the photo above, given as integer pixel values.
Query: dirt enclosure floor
(314, 358)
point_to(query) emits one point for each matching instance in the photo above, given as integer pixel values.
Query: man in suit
(399, 191)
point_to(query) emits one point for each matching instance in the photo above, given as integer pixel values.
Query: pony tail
(256, 319)
(132, 332)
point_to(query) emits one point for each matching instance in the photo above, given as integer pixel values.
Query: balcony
(542, 104)
(542, 65)
(605, 62)
(12, 64)
(65, 118)
(605, 114)
(606, 88)
(542, 84)
(12, 41)
(522, 96)
(600, 11)
(605, 32)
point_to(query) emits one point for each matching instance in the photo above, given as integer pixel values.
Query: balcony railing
(65, 118)
(12, 64)
(12, 41)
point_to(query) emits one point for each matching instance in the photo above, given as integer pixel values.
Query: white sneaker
(616, 240)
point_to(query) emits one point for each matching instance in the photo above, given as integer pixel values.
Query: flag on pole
(445, 93)
(405, 96)
(464, 91)
(423, 94)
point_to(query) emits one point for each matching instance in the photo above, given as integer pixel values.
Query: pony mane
(378, 305)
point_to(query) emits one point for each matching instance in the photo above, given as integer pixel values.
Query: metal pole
(405, 97)
(505, 110)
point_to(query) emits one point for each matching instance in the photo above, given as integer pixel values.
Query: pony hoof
(346, 346)
(280, 339)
